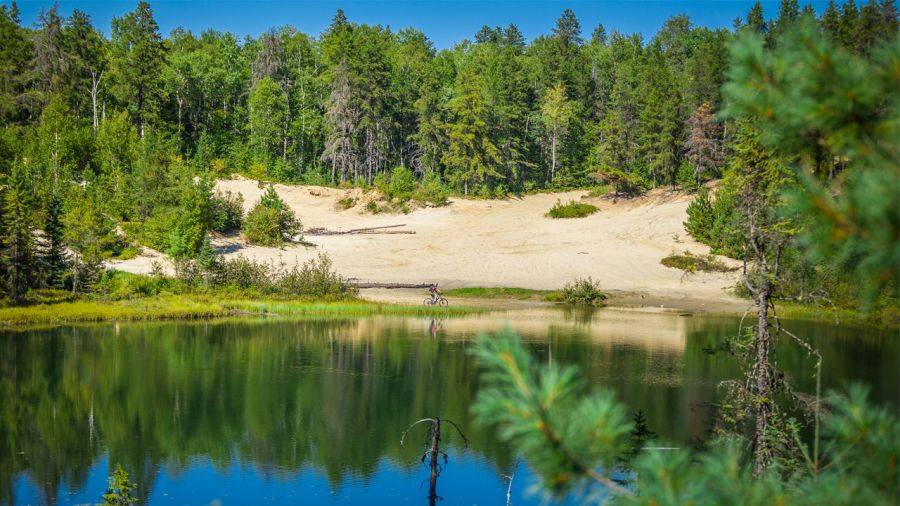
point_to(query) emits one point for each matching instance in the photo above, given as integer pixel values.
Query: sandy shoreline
(499, 243)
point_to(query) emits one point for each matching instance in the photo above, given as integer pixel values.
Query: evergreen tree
(54, 258)
(849, 25)
(702, 145)
(471, 157)
(137, 58)
(659, 125)
(755, 20)
(18, 232)
(788, 14)
(831, 20)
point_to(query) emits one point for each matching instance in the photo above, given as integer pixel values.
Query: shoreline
(399, 303)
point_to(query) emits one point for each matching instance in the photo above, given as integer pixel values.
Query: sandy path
(497, 243)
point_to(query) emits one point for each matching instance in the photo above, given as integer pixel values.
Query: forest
(784, 129)
(110, 143)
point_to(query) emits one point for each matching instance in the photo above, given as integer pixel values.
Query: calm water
(250, 412)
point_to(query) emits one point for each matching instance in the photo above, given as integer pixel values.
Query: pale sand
(500, 243)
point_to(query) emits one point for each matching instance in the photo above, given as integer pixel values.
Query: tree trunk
(553, 156)
(435, 450)
(95, 89)
(761, 453)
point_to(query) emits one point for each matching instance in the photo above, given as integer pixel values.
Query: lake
(252, 411)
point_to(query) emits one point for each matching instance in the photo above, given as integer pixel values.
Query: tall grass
(208, 306)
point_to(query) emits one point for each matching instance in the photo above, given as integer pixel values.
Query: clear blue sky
(444, 22)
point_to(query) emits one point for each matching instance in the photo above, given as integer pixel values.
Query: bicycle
(437, 301)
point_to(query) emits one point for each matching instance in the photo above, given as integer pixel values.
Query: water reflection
(320, 405)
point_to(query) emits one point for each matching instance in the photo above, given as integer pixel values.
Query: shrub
(689, 262)
(118, 285)
(402, 183)
(701, 217)
(314, 278)
(270, 221)
(571, 210)
(49, 296)
(227, 211)
(582, 291)
(625, 183)
(345, 203)
(601, 190)
(431, 190)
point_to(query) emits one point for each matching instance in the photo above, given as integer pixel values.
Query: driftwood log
(366, 230)
(389, 285)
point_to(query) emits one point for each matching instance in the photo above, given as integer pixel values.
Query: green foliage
(227, 211)
(582, 292)
(798, 95)
(571, 210)
(120, 489)
(691, 263)
(402, 183)
(701, 217)
(497, 293)
(270, 222)
(571, 439)
(541, 412)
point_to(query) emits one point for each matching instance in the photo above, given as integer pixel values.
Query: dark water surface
(259, 411)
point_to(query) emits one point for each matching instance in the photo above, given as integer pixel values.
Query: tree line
(104, 138)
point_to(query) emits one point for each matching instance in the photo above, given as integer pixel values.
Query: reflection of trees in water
(333, 395)
(279, 395)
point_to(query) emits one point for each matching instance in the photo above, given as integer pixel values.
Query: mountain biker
(434, 291)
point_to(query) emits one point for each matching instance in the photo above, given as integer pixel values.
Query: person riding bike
(434, 292)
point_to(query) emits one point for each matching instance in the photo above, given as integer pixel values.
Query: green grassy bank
(175, 307)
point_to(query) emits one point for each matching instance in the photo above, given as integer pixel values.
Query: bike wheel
(428, 302)
(444, 302)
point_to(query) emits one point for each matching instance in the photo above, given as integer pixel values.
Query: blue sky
(444, 22)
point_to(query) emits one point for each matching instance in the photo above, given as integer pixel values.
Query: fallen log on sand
(389, 285)
(366, 230)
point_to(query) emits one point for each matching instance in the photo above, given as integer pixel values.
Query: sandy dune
(497, 243)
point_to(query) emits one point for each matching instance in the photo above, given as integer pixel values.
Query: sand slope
(496, 243)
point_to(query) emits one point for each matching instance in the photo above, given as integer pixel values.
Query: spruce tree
(54, 258)
(848, 28)
(18, 231)
(755, 20)
(831, 21)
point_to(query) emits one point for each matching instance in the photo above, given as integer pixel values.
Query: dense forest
(106, 143)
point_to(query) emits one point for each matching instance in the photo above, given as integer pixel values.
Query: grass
(499, 293)
(185, 307)
(690, 262)
(886, 318)
(571, 210)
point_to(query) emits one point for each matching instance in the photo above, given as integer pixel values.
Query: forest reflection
(335, 395)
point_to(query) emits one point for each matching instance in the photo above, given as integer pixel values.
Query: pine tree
(471, 157)
(659, 124)
(54, 258)
(788, 14)
(849, 25)
(831, 20)
(137, 58)
(18, 231)
(702, 145)
(755, 20)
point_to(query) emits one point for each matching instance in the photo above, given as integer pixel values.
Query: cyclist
(434, 292)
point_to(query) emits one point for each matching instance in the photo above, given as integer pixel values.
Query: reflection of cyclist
(434, 327)
(434, 292)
